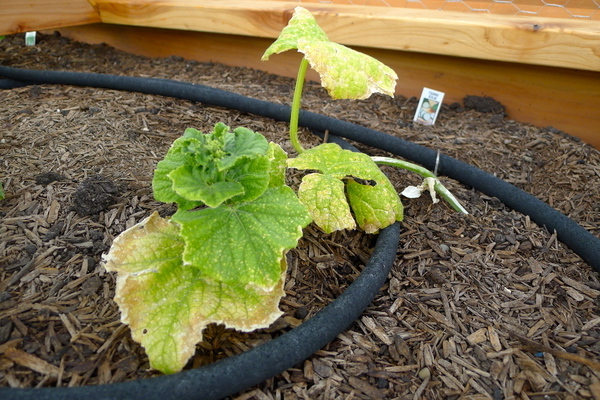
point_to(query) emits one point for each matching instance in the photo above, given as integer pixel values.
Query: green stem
(296, 106)
(425, 173)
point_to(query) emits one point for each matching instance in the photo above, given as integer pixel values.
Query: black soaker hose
(582, 242)
(242, 371)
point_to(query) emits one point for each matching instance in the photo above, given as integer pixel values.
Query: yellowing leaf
(301, 25)
(374, 207)
(167, 304)
(374, 202)
(345, 73)
(325, 198)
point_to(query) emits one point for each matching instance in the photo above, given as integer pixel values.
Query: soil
(487, 305)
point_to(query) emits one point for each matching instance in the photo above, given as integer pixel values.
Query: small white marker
(30, 38)
(429, 106)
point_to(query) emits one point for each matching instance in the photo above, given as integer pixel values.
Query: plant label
(429, 106)
(30, 38)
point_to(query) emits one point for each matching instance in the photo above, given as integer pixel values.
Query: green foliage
(244, 242)
(167, 303)
(220, 258)
(214, 168)
(1, 191)
(368, 192)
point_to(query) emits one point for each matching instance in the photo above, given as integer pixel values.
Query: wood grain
(574, 8)
(557, 42)
(544, 96)
(31, 15)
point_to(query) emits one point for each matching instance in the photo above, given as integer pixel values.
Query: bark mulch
(482, 306)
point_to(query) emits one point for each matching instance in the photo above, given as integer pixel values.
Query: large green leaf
(168, 304)
(244, 243)
(345, 73)
(372, 197)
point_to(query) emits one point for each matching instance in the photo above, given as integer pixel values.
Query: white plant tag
(429, 106)
(30, 38)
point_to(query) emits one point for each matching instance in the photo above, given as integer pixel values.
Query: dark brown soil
(487, 305)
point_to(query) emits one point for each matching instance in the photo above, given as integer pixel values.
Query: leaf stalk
(425, 173)
(294, 117)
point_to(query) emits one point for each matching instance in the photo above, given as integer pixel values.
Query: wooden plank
(32, 15)
(570, 43)
(565, 99)
(571, 9)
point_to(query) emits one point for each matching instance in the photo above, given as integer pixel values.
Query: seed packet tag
(429, 106)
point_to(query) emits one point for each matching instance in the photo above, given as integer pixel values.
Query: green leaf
(1, 191)
(325, 198)
(345, 73)
(162, 185)
(168, 304)
(244, 243)
(213, 168)
(253, 175)
(244, 143)
(190, 183)
(375, 206)
(278, 165)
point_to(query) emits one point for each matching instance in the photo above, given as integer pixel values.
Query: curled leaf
(211, 169)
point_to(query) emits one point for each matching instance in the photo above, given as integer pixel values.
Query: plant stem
(296, 105)
(425, 173)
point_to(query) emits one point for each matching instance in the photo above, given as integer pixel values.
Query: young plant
(346, 74)
(221, 257)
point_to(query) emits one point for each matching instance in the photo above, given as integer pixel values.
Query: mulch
(487, 305)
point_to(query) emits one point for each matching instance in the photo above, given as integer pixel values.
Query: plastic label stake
(429, 106)
(30, 38)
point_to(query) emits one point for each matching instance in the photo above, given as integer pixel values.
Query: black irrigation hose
(234, 374)
(582, 242)
(242, 371)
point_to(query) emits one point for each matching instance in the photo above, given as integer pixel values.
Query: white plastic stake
(429, 106)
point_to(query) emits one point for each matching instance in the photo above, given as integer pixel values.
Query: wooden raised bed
(545, 70)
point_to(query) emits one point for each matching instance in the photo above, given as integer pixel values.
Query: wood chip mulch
(484, 306)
